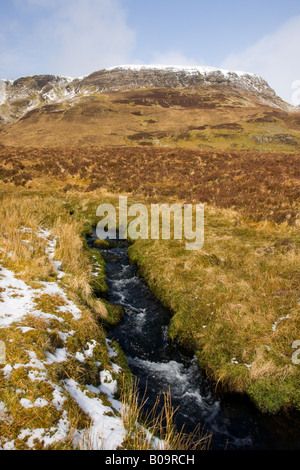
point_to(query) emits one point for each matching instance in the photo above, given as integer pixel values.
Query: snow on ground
(47, 437)
(107, 432)
(274, 326)
(17, 301)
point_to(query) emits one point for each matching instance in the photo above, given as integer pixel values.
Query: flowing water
(161, 365)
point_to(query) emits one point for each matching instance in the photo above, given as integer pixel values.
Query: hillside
(181, 107)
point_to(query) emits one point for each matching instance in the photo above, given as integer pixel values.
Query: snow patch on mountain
(2, 92)
(211, 75)
(189, 70)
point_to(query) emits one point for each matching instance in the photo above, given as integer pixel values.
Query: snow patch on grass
(107, 432)
(20, 302)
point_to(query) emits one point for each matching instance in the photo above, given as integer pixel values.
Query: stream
(161, 365)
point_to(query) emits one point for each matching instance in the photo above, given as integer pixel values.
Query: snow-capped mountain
(18, 97)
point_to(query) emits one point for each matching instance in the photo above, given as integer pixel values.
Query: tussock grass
(263, 186)
(76, 262)
(27, 250)
(24, 251)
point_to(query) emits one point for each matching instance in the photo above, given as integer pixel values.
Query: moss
(272, 396)
(115, 314)
(101, 244)
(98, 282)
(267, 396)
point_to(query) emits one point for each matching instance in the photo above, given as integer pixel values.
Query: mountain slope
(193, 107)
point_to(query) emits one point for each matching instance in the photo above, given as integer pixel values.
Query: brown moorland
(263, 186)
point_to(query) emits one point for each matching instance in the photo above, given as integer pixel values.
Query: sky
(77, 37)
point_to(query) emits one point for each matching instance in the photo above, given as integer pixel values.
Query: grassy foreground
(235, 304)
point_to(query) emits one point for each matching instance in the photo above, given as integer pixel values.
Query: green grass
(99, 274)
(246, 138)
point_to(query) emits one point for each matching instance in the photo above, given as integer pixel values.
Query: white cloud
(70, 37)
(275, 57)
(172, 57)
(93, 34)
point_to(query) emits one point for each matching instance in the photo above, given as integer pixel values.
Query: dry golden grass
(261, 186)
(76, 262)
(157, 426)
(25, 253)
(215, 117)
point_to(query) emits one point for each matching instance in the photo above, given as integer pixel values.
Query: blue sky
(77, 37)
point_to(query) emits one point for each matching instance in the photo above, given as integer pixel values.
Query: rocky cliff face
(128, 77)
(18, 97)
